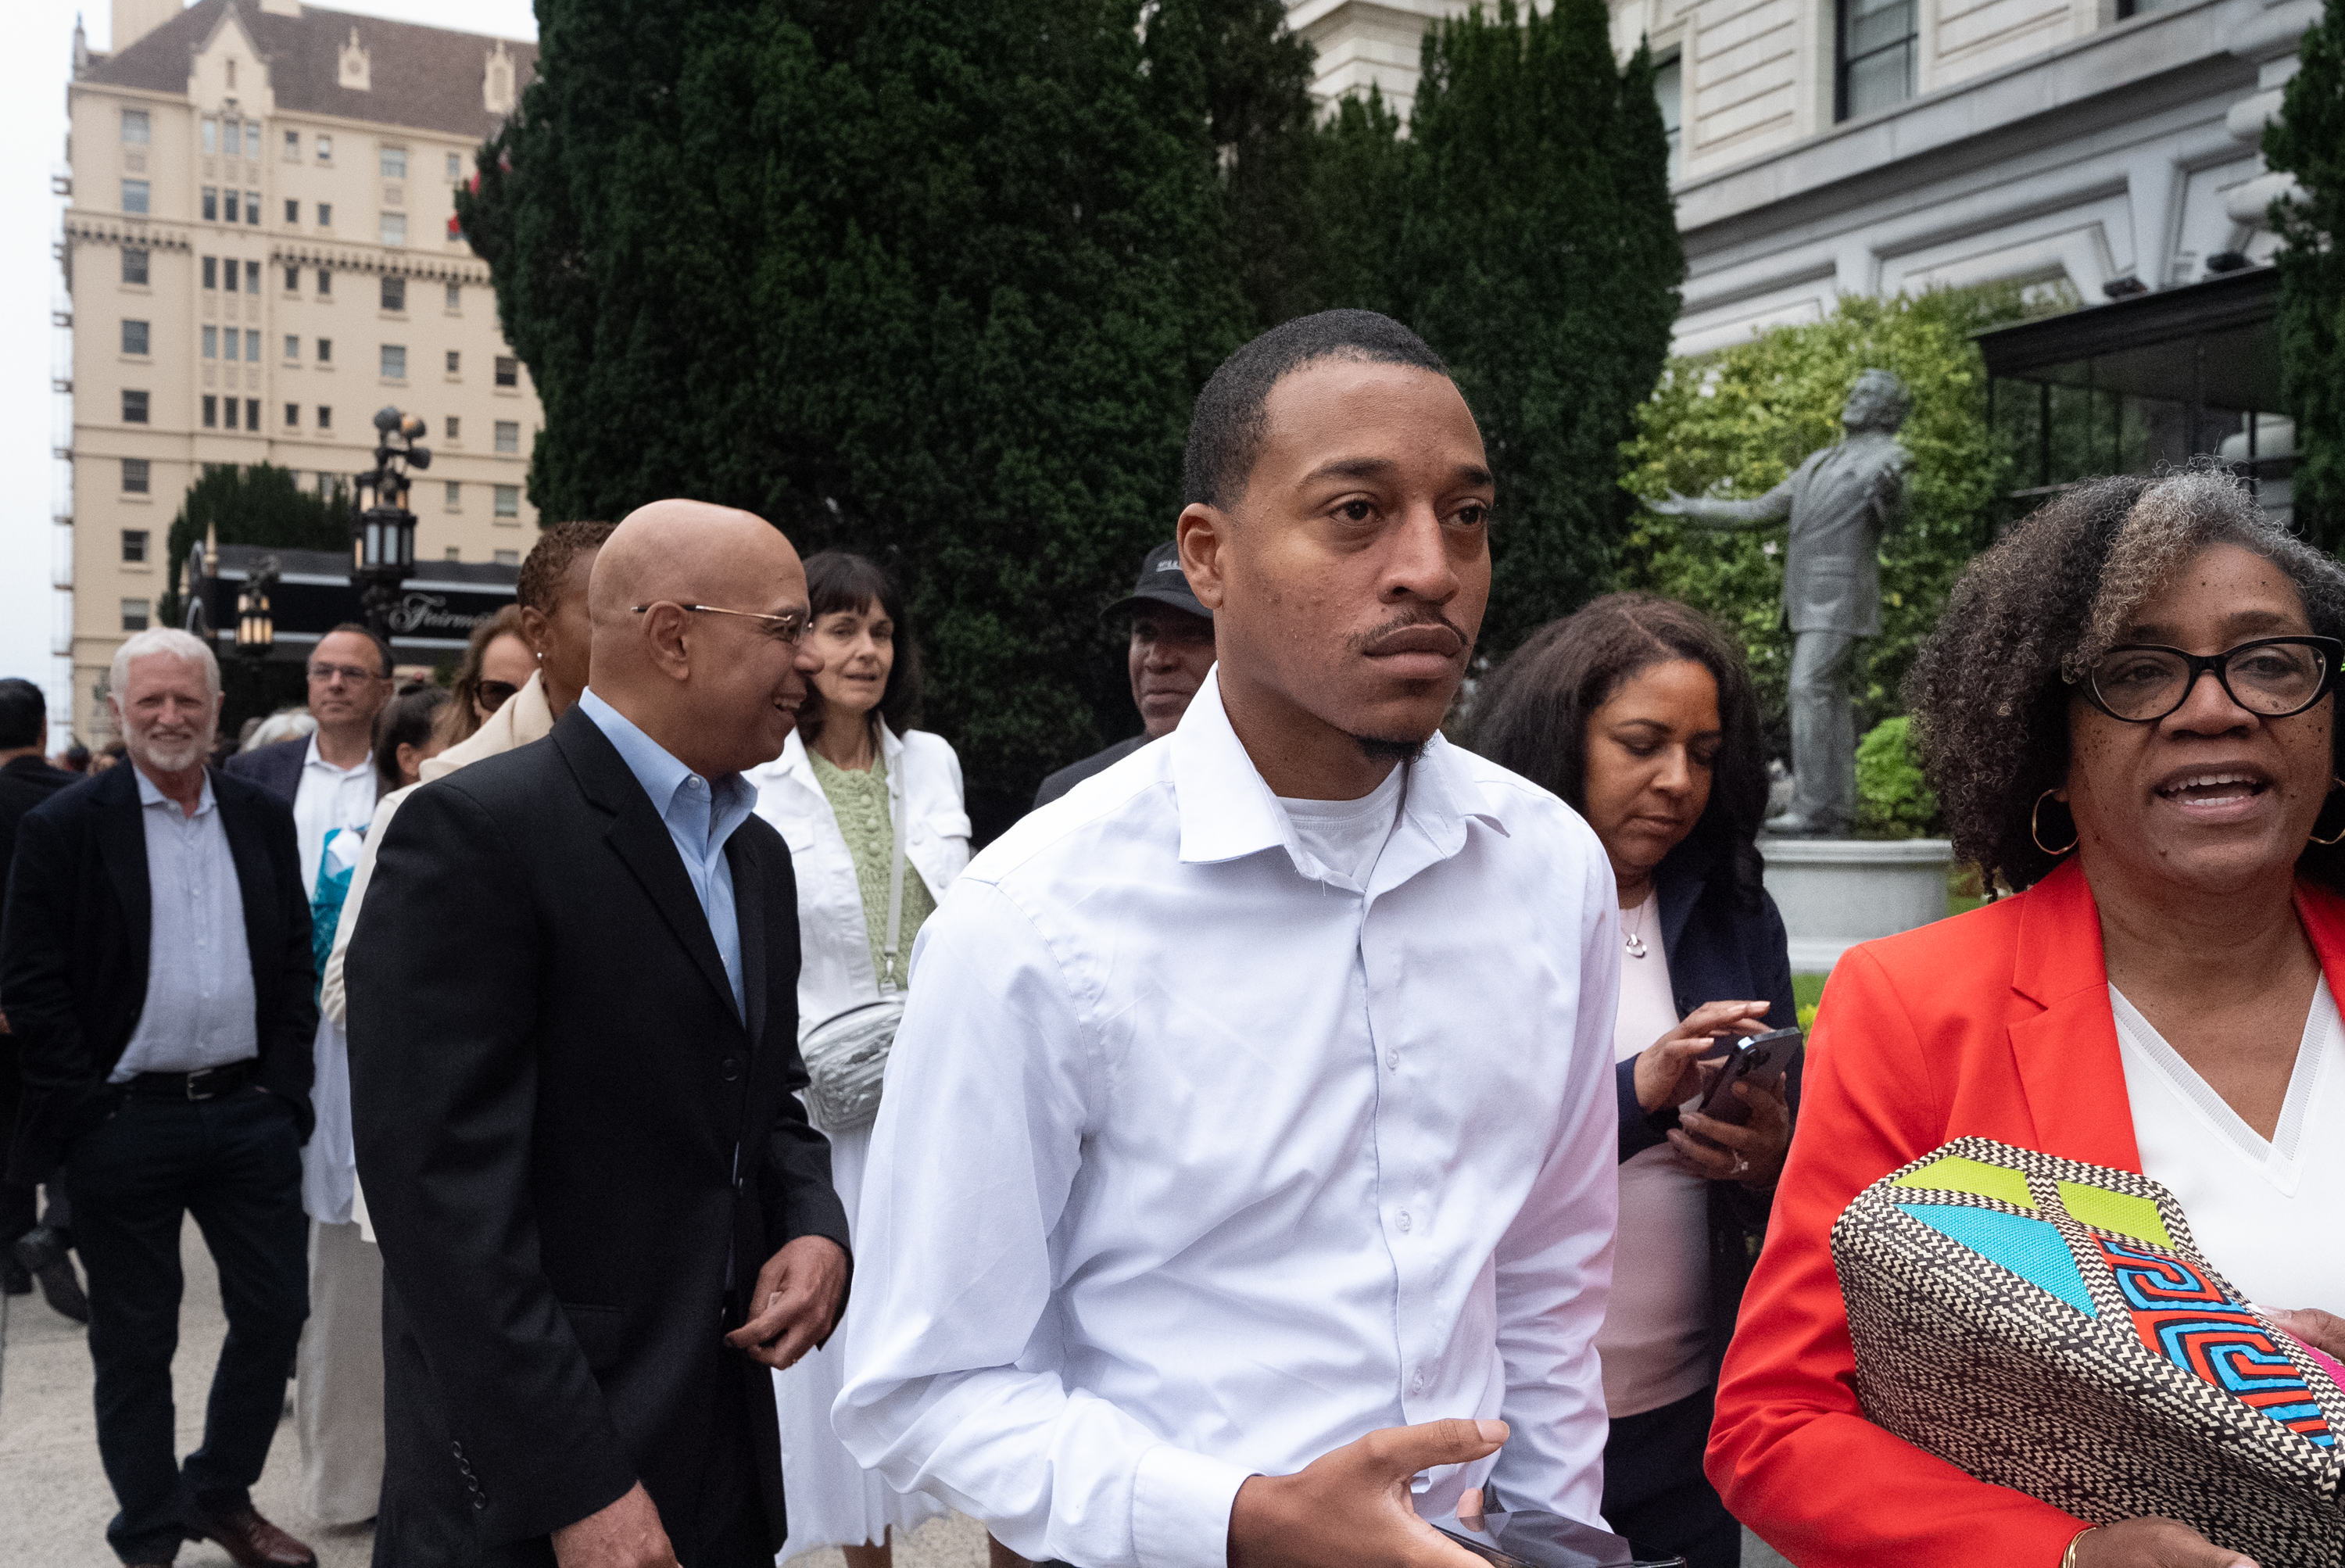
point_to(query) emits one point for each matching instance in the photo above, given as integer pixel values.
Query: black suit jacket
(1074, 773)
(25, 783)
(74, 947)
(553, 1092)
(276, 767)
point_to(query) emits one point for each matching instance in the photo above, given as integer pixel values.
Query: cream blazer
(835, 971)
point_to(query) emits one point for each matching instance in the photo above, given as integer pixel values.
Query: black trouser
(235, 1163)
(1656, 1494)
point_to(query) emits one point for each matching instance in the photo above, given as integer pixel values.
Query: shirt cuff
(1181, 1504)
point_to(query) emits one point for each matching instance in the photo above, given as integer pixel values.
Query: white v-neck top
(2266, 1213)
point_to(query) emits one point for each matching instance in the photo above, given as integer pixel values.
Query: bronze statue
(1840, 503)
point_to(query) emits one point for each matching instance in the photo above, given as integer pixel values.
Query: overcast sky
(33, 78)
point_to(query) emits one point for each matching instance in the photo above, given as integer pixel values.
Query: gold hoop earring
(2036, 831)
(2339, 833)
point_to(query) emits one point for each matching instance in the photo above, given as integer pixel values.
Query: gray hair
(182, 645)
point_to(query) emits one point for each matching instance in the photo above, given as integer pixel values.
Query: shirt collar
(1227, 810)
(149, 795)
(732, 797)
(310, 758)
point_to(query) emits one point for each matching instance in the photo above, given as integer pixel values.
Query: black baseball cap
(1161, 582)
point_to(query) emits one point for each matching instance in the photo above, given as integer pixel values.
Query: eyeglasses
(789, 629)
(2271, 676)
(325, 674)
(495, 694)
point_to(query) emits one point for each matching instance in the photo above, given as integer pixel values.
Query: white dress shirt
(201, 1010)
(329, 797)
(700, 814)
(1195, 1163)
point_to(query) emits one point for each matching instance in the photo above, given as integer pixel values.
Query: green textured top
(859, 802)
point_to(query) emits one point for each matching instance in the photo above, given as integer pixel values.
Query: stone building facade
(260, 250)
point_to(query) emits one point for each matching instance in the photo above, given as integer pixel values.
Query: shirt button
(1403, 1220)
(729, 1069)
(1392, 1060)
(1417, 1384)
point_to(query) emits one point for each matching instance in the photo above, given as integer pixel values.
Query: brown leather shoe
(252, 1541)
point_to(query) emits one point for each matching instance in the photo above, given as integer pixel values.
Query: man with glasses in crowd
(328, 777)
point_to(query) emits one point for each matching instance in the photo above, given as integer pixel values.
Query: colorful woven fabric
(2051, 1327)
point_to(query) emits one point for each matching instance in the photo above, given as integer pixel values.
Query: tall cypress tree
(2308, 141)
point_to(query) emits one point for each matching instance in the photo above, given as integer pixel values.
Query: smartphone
(1758, 1060)
(1532, 1540)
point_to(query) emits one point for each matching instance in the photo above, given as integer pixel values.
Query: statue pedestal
(1837, 892)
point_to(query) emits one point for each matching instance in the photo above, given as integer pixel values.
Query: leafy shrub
(1892, 798)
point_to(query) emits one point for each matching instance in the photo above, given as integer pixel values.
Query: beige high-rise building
(261, 250)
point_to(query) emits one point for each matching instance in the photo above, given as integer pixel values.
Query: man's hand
(1350, 1508)
(2154, 1543)
(627, 1534)
(796, 1302)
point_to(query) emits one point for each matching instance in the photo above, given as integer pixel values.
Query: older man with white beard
(156, 961)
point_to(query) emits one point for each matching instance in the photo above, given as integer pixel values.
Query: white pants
(338, 1379)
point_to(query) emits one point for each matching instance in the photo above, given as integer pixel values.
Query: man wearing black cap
(1172, 649)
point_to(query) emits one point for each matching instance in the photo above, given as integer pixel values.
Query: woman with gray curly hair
(2127, 714)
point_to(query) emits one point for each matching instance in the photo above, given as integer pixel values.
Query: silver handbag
(846, 1054)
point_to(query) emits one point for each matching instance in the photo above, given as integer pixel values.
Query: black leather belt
(204, 1083)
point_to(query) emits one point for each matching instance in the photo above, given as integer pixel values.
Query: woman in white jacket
(835, 793)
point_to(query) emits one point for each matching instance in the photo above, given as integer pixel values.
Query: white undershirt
(1655, 1342)
(2265, 1214)
(1347, 836)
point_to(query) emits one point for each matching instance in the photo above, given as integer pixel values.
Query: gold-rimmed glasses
(789, 627)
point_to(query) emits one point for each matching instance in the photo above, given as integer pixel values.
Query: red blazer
(1995, 1023)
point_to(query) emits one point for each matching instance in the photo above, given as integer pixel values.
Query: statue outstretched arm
(1757, 512)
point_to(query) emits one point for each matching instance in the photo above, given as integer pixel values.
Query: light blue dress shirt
(700, 814)
(199, 1010)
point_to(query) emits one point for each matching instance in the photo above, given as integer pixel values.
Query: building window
(394, 362)
(134, 540)
(211, 136)
(325, 149)
(508, 558)
(292, 346)
(252, 413)
(454, 424)
(455, 495)
(211, 410)
(211, 343)
(292, 147)
(452, 554)
(228, 266)
(209, 204)
(455, 359)
(230, 65)
(134, 613)
(508, 435)
(325, 417)
(508, 371)
(252, 277)
(325, 282)
(508, 498)
(292, 279)
(292, 213)
(325, 215)
(134, 128)
(394, 163)
(456, 166)
(252, 208)
(455, 296)
(394, 293)
(292, 415)
(134, 265)
(134, 407)
(211, 271)
(234, 340)
(1880, 46)
(252, 345)
(325, 351)
(133, 483)
(1669, 92)
(134, 197)
(133, 337)
(394, 228)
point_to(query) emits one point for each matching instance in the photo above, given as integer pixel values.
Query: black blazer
(1721, 948)
(276, 767)
(552, 1093)
(1074, 773)
(73, 946)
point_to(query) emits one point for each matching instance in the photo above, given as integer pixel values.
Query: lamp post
(256, 625)
(382, 537)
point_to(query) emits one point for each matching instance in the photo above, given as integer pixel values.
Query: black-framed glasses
(324, 674)
(2271, 676)
(790, 628)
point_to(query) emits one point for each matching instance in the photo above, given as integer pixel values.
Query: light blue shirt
(701, 815)
(199, 1010)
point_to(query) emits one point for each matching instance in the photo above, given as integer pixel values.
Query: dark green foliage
(1892, 798)
(1524, 228)
(1257, 81)
(257, 505)
(2308, 141)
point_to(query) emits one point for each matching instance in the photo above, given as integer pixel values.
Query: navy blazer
(1720, 949)
(74, 948)
(276, 767)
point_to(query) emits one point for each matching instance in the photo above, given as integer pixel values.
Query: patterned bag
(2050, 1327)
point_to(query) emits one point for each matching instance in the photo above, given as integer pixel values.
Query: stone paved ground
(56, 1503)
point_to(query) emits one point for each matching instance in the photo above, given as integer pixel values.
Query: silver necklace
(1636, 944)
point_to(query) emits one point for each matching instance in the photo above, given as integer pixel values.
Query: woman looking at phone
(2128, 710)
(1640, 714)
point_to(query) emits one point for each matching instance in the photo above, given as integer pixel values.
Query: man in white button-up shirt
(1254, 1099)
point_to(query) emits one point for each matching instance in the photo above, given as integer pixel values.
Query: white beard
(173, 757)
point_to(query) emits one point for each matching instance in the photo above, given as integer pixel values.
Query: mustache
(1409, 619)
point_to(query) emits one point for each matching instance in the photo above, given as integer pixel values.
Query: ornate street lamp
(255, 626)
(382, 537)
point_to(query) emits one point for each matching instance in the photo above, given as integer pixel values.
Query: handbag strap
(896, 791)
